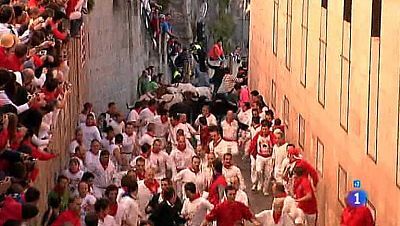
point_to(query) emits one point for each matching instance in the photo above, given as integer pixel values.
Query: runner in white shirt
(207, 169)
(175, 125)
(229, 170)
(129, 142)
(102, 207)
(128, 207)
(145, 192)
(104, 171)
(78, 141)
(289, 204)
(241, 195)
(149, 136)
(74, 173)
(230, 127)
(274, 217)
(205, 112)
(278, 155)
(220, 146)
(145, 155)
(195, 208)
(88, 200)
(147, 115)
(133, 115)
(90, 131)
(192, 174)
(181, 155)
(93, 155)
(161, 161)
(244, 116)
(188, 128)
(108, 141)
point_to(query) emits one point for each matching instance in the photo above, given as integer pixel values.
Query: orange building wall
(347, 149)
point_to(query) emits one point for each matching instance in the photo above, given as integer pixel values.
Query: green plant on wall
(90, 5)
(224, 26)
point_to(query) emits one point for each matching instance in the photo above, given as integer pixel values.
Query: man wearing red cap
(261, 148)
(295, 159)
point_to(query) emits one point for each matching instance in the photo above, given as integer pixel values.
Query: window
(398, 142)
(319, 164)
(342, 185)
(371, 208)
(288, 34)
(345, 64)
(304, 42)
(273, 94)
(323, 36)
(373, 81)
(286, 111)
(302, 131)
(275, 28)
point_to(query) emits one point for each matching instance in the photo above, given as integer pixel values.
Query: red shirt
(68, 216)
(301, 187)
(357, 216)
(216, 52)
(213, 195)
(230, 213)
(11, 210)
(309, 170)
(71, 7)
(113, 209)
(13, 63)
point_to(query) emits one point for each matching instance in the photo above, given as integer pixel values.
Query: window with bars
(342, 185)
(373, 80)
(319, 160)
(273, 94)
(288, 34)
(345, 66)
(302, 131)
(304, 42)
(323, 43)
(286, 111)
(275, 28)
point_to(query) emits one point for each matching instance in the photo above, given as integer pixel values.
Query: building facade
(330, 69)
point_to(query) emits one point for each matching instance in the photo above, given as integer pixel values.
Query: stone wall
(119, 49)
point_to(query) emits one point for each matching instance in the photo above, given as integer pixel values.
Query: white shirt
(290, 208)
(181, 159)
(161, 128)
(72, 146)
(74, 178)
(161, 161)
(89, 133)
(8, 29)
(128, 143)
(102, 177)
(254, 131)
(223, 147)
(196, 210)
(211, 120)
(230, 130)
(108, 221)
(279, 154)
(146, 116)
(241, 196)
(146, 139)
(172, 133)
(87, 203)
(133, 116)
(144, 196)
(245, 117)
(267, 219)
(106, 143)
(128, 211)
(118, 127)
(188, 175)
(231, 172)
(5, 100)
(91, 158)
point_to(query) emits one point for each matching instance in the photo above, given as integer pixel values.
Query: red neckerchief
(191, 169)
(153, 111)
(282, 195)
(140, 176)
(196, 196)
(149, 134)
(277, 217)
(104, 165)
(152, 185)
(216, 144)
(113, 209)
